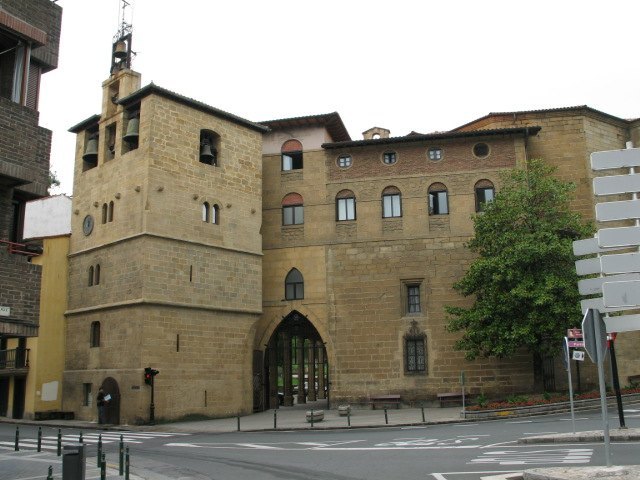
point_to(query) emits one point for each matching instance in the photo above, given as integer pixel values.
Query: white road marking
(522, 421)
(498, 444)
(441, 476)
(559, 456)
(538, 433)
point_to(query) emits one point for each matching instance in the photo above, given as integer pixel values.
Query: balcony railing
(16, 359)
(28, 249)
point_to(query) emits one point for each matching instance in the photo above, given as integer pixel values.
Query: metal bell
(132, 129)
(206, 154)
(120, 51)
(91, 150)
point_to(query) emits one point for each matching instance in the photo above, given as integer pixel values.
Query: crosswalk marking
(50, 442)
(555, 456)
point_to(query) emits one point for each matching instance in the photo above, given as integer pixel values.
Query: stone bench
(384, 400)
(450, 398)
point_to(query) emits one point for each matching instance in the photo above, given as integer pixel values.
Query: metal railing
(28, 249)
(17, 358)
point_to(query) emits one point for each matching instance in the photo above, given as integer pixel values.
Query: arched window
(294, 285)
(96, 280)
(94, 336)
(215, 214)
(485, 193)
(90, 283)
(291, 155)
(345, 206)
(104, 213)
(292, 209)
(391, 202)
(110, 211)
(205, 212)
(438, 199)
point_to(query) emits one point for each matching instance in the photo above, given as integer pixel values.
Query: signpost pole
(464, 410)
(616, 382)
(568, 367)
(603, 389)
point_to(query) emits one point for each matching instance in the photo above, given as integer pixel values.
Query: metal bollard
(312, 418)
(80, 437)
(275, 419)
(103, 468)
(386, 417)
(423, 420)
(39, 439)
(99, 456)
(50, 473)
(126, 465)
(349, 417)
(238, 422)
(17, 442)
(121, 456)
(59, 442)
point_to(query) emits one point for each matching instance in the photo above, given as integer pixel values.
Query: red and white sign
(574, 333)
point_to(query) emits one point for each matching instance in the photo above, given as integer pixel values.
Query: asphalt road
(462, 451)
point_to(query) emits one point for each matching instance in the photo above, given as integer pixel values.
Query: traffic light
(148, 378)
(149, 373)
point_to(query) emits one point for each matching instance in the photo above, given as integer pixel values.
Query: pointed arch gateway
(296, 369)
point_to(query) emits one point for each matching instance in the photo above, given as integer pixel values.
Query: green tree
(524, 278)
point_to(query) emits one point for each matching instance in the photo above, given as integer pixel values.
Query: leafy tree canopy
(524, 279)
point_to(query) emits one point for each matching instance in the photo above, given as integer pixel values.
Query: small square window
(389, 158)
(291, 161)
(344, 161)
(435, 153)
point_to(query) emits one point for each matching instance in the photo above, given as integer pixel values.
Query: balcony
(14, 362)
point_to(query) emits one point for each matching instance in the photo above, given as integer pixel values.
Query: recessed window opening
(291, 155)
(481, 150)
(91, 274)
(209, 147)
(105, 209)
(110, 211)
(294, 285)
(484, 193)
(15, 59)
(344, 161)
(389, 158)
(413, 299)
(215, 214)
(435, 153)
(205, 212)
(292, 209)
(438, 199)
(110, 144)
(94, 339)
(345, 206)
(90, 155)
(391, 203)
(131, 128)
(96, 279)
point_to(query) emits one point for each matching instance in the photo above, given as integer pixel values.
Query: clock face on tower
(87, 225)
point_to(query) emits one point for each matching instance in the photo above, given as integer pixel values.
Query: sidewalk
(29, 464)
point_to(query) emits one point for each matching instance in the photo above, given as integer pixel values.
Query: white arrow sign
(618, 237)
(588, 266)
(623, 323)
(589, 246)
(621, 294)
(616, 184)
(594, 285)
(598, 304)
(623, 210)
(621, 263)
(629, 157)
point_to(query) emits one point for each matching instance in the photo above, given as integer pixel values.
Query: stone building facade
(263, 264)
(29, 38)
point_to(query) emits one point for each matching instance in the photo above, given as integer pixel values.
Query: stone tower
(165, 258)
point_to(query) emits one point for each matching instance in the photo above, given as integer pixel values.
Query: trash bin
(73, 462)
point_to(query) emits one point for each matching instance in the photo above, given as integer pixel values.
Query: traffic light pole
(152, 407)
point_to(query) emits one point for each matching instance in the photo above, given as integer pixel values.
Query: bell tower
(165, 257)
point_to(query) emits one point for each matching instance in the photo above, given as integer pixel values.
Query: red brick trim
(22, 28)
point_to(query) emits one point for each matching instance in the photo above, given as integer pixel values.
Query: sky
(406, 65)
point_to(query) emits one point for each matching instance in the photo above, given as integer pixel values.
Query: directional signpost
(618, 281)
(567, 367)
